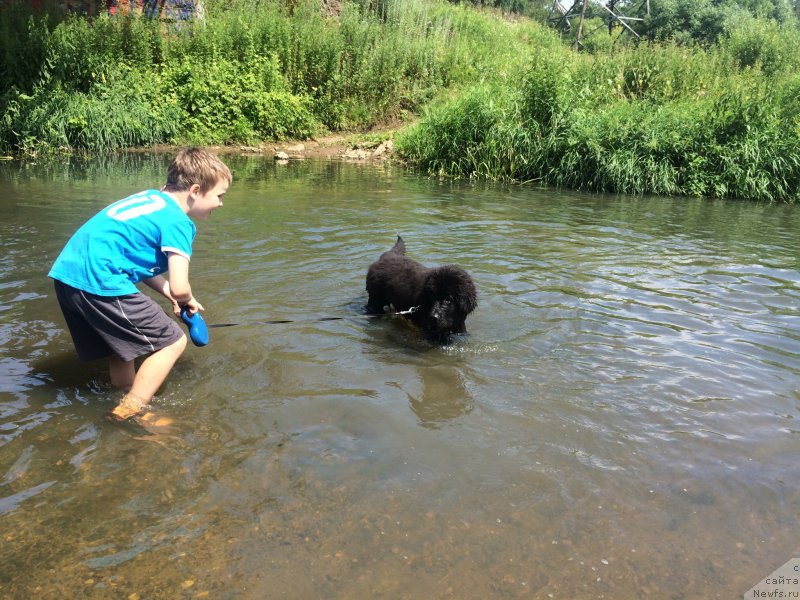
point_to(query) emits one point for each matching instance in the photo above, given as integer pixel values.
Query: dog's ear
(467, 300)
(466, 296)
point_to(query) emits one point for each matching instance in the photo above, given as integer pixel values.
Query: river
(621, 420)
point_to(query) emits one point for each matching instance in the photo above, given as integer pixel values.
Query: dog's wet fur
(443, 296)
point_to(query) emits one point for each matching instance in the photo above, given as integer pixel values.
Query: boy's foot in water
(131, 405)
(134, 408)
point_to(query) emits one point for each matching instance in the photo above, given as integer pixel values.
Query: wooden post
(580, 25)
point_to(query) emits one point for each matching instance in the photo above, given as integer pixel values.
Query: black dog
(441, 297)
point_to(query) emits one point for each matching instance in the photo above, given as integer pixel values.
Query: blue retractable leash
(198, 330)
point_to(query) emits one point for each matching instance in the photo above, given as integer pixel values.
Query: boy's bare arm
(179, 286)
(160, 284)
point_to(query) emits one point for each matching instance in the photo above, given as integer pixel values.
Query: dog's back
(393, 280)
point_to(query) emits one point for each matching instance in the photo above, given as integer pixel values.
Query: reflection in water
(63, 367)
(434, 387)
(442, 396)
(620, 422)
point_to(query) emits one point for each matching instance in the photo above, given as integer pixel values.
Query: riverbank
(371, 147)
(245, 75)
(504, 101)
(376, 145)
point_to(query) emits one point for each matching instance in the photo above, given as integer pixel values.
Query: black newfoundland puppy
(441, 297)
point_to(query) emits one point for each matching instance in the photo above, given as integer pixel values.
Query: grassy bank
(249, 72)
(504, 100)
(722, 121)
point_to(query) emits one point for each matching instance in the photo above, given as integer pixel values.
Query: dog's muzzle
(442, 314)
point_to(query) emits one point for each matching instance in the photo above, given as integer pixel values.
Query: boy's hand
(193, 305)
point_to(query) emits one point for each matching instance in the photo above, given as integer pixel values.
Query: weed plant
(248, 72)
(659, 119)
(502, 100)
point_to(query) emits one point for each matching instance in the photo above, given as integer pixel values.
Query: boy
(138, 239)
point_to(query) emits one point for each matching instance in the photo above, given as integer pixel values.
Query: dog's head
(449, 296)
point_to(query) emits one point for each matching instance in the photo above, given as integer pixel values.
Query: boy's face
(201, 205)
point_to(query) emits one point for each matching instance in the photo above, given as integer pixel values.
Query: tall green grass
(248, 72)
(660, 119)
(500, 100)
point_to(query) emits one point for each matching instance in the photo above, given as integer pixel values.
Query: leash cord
(411, 310)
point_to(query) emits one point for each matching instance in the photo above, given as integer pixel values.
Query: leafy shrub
(766, 44)
(473, 135)
(126, 109)
(547, 88)
(662, 120)
(23, 44)
(224, 100)
(273, 69)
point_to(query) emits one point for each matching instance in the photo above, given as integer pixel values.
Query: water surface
(620, 422)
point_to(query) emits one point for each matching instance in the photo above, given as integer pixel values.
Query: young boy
(138, 239)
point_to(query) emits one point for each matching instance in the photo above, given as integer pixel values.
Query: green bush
(475, 135)
(23, 45)
(660, 120)
(508, 99)
(126, 108)
(249, 72)
(224, 101)
(547, 88)
(763, 44)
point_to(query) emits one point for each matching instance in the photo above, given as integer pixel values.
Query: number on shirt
(136, 206)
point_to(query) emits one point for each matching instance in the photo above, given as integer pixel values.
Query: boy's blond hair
(196, 166)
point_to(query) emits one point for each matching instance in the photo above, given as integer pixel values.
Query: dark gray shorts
(128, 326)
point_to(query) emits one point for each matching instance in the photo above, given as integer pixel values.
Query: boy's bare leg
(151, 374)
(122, 372)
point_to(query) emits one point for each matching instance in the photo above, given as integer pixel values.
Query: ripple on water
(626, 395)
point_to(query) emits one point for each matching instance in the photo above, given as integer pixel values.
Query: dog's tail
(399, 246)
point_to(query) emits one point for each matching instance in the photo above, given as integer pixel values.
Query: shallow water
(620, 422)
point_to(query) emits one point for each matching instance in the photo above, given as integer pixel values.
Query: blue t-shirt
(125, 243)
